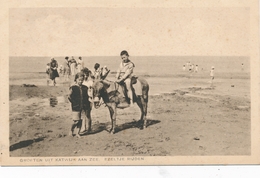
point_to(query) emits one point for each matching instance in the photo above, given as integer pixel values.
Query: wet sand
(185, 117)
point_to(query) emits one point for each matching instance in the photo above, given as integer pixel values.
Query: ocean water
(149, 65)
(163, 73)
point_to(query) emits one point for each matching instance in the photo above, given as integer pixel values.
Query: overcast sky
(141, 31)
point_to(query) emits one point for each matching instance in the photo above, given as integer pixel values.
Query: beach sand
(185, 117)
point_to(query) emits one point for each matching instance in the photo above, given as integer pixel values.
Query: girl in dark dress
(53, 73)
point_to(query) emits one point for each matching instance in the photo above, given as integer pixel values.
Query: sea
(144, 65)
(164, 73)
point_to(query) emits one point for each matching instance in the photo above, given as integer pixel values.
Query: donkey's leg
(112, 110)
(140, 104)
(145, 112)
(88, 114)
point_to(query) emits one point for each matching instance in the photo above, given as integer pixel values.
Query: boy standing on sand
(212, 76)
(79, 103)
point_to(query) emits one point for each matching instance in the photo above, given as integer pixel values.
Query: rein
(104, 95)
(116, 87)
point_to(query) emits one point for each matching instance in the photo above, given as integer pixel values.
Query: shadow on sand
(96, 128)
(24, 143)
(135, 124)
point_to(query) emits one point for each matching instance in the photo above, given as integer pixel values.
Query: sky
(140, 31)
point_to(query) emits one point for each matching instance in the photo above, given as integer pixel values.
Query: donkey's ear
(105, 75)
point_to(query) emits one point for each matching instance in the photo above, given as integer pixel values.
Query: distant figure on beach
(73, 65)
(196, 68)
(48, 73)
(242, 67)
(211, 76)
(183, 68)
(66, 68)
(79, 103)
(60, 69)
(190, 69)
(187, 64)
(53, 70)
(80, 64)
(88, 79)
(97, 73)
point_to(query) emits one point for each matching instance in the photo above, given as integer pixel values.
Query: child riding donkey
(125, 74)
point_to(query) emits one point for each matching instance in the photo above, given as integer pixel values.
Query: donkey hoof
(142, 128)
(112, 131)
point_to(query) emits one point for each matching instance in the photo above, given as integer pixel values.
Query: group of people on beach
(81, 91)
(69, 68)
(195, 68)
(191, 67)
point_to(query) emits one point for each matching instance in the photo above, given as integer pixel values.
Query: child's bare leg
(76, 122)
(84, 127)
(73, 126)
(79, 124)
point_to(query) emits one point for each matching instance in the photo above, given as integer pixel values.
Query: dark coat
(79, 98)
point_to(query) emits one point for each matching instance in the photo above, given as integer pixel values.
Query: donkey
(114, 98)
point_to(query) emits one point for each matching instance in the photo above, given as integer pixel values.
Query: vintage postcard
(130, 83)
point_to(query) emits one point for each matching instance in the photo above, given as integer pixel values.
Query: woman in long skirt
(53, 73)
(80, 64)
(73, 65)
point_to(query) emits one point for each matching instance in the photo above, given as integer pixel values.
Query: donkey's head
(99, 92)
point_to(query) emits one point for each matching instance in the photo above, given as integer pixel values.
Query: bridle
(100, 101)
(102, 92)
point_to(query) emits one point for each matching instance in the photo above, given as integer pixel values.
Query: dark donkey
(109, 92)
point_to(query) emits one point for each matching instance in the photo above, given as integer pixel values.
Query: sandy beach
(185, 117)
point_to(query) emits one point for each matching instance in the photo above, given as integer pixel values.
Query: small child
(79, 102)
(212, 76)
(190, 69)
(61, 69)
(196, 68)
(48, 73)
(183, 68)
